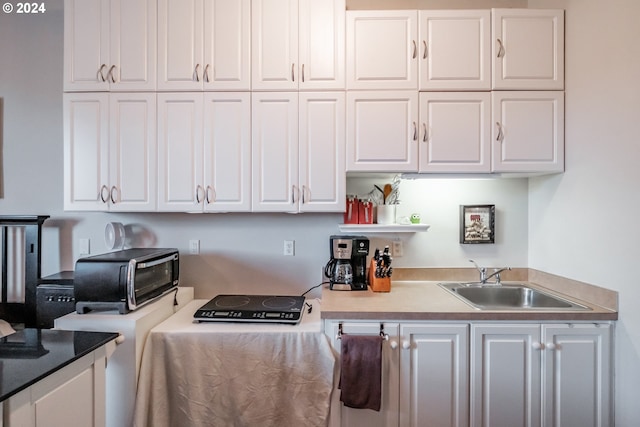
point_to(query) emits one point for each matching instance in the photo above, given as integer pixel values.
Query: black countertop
(30, 355)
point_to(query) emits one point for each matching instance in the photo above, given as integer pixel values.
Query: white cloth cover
(235, 374)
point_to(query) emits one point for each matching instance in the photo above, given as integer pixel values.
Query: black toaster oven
(125, 279)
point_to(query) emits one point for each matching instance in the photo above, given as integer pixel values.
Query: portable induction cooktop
(252, 308)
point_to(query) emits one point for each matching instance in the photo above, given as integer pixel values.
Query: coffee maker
(347, 268)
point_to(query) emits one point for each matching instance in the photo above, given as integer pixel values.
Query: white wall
(584, 223)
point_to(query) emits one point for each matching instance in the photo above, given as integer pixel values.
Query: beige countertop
(425, 300)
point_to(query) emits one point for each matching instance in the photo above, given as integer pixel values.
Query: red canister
(352, 211)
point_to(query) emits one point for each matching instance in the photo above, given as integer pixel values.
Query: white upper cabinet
(382, 131)
(455, 49)
(382, 49)
(110, 45)
(110, 151)
(528, 49)
(528, 131)
(298, 44)
(455, 132)
(298, 152)
(204, 45)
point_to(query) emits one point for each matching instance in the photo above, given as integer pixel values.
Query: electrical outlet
(194, 247)
(289, 247)
(84, 246)
(397, 248)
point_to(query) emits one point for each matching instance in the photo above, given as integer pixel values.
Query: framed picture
(477, 223)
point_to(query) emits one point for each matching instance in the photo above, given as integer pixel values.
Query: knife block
(378, 284)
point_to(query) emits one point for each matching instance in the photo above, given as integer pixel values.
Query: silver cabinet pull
(100, 72)
(293, 76)
(208, 194)
(101, 194)
(302, 73)
(196, 72)
(500, 49)
(415, 132)
(500, 136)
(199, 189)
(110, 73)
(305, 189)
(424, 127)
(424, 55)
(415, 49)
(205, 75)
(113, 194)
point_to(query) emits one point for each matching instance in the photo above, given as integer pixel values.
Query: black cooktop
(252, 308)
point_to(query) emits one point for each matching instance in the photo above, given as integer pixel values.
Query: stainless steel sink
(509, 297)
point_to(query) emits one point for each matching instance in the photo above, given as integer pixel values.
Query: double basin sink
(489, 296)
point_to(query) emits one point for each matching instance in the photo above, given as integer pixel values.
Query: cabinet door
(505, 375)
(86, 151)
(227, 151)
(577, 375)
(528, 135)
(133, 48)
(321, 50)
(227, 42)
(389, 409)
(86, 45)
(275, 151)
(382, 131)
(180, 150)
(382, 49)
(180, 39)
(434, 375)
(322, 145)
(132, 152)
(455, 132)
(274, 44)
(528, 49)
(455, 49)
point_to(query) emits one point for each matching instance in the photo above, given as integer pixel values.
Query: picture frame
(477, 224)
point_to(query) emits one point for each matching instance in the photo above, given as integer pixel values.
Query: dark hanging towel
(361, 371)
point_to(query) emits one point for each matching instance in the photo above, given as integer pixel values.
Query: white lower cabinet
(541, 375)
(424, 375)
(485, 374)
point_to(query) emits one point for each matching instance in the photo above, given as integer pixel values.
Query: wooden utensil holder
(378, 284)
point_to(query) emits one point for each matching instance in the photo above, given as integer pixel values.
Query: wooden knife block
(378, 284)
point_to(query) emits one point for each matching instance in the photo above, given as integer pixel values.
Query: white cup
(386, 214)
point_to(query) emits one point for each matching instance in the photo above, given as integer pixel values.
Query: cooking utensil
(387, 190)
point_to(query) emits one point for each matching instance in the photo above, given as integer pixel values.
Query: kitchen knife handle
(100, 72)
(293, 76)
(415, 49)
(424, 55)
(196, 72)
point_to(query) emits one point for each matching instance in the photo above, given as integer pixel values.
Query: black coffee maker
(347, 268)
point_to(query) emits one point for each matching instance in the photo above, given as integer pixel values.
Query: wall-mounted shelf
(383, 228)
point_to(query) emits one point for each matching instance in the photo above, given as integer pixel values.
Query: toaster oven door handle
(156, 261)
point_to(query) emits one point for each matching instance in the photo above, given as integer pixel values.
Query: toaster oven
(125, 279)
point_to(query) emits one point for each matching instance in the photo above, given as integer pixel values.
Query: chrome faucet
(483, 273)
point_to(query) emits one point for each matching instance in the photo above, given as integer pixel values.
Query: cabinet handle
(114, 190)
(500, 136)
(293, 76)
(415, 49)
(205, 75)
(415, 132)
(199, 189)
(302, 73)
(406, 345)
(207, 195)
(424, 127)
(110, 73)
(100, 72)
(393, 344)
(500, 49)
(294, 191)
(304, 191)
(101, 194)
(196, 72)
(551, 346)
(424, 55)
(537, 346)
